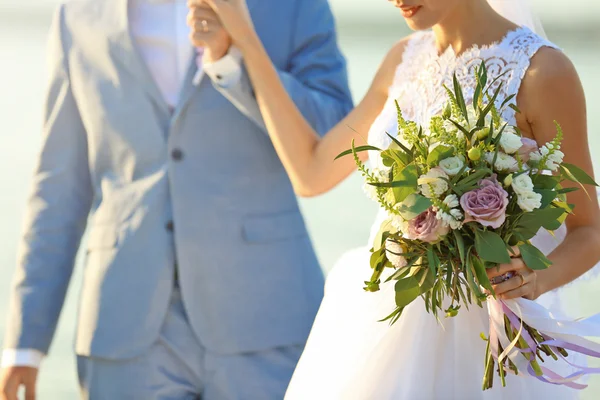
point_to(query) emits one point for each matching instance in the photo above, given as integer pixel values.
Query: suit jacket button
(170, 226)
(177, 154)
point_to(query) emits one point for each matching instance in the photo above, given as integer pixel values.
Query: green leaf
(438, 154)
(460, 243)
(545, 217)
(384, 231)
(509, 98)
(432, 260)
(407, 290)
(470, 278)
(357, 150)
(460, 127)
(481, 272)
(515, 108)
(426, 280)
(398, 156)
(408, 175)
(413, 206)
(545, 181)
(399, 144)
(491, 247)
(567, 190)
(576, 174)
(460, 99)
(548, 196)
(534, 258)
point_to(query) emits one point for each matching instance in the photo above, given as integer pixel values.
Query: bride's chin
(416, 25)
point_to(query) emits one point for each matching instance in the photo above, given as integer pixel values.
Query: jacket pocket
(274, 227)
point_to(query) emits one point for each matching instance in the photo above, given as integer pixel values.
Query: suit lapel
(123, 48)
(188, 89)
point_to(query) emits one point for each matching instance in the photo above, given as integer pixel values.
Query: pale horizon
(549, 11)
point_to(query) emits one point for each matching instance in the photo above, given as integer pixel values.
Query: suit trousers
(178, 367)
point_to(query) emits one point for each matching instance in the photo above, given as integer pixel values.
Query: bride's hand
(514, 280)
(234, 17)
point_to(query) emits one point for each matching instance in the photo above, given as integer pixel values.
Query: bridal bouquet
(462, 194)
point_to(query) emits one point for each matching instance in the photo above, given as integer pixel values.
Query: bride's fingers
(527, 290)
(511, 284)
(514, 265)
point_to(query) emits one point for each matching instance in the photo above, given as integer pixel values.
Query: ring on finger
(204, 25)
(502, 278)
(522, 279)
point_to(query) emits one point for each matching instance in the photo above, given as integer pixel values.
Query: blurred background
(338, 221)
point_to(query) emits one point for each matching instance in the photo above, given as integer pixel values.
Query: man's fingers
(10, 389)
(30, 383)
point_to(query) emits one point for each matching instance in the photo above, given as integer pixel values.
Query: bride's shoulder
(549, 69)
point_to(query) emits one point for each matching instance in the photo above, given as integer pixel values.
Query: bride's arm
(308, 159)
(551, 91)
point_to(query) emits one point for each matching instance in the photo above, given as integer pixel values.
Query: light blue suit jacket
(201, 186)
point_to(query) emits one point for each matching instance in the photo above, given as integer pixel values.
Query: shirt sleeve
(21, 358)
(227, 71)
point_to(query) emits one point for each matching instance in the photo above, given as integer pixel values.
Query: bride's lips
(409, 11)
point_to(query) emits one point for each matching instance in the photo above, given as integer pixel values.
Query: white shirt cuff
(21, 358)
(227, 71)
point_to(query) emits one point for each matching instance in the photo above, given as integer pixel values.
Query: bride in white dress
(350, 355)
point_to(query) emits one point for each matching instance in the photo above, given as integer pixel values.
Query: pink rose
(529, 146)
(486, 205)
(426, 227)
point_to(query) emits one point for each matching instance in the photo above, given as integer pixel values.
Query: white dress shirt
(161, 35)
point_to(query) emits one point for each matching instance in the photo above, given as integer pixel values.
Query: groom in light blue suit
(200, 279)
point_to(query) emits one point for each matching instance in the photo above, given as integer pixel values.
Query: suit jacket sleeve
(57, 211)
(316, 76)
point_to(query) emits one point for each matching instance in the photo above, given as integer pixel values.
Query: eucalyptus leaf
(438, 154)
(481, 272)
(533, 257)
(576, 174)
(491, 247)
(407, 290)
(460, 243)
(432, 260)
(408, 175)
(535, 220)
(413, 206)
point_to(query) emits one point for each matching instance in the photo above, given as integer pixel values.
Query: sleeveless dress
(349, 354)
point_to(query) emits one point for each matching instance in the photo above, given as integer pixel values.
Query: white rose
(393, 251)
(433, 183)
(504, 162)
(510, 141)
(398, 222)
(522, 184)
(451, 201)
(452, 165)
(529, 201)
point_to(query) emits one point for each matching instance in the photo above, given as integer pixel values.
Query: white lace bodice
(418, 88)
(419, 79)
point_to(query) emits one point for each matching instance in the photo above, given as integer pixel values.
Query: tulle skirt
(352, 356)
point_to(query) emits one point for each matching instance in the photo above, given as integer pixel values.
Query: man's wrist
(21, 358)
(213, 55)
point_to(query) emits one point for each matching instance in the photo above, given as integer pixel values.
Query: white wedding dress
(352, 356)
